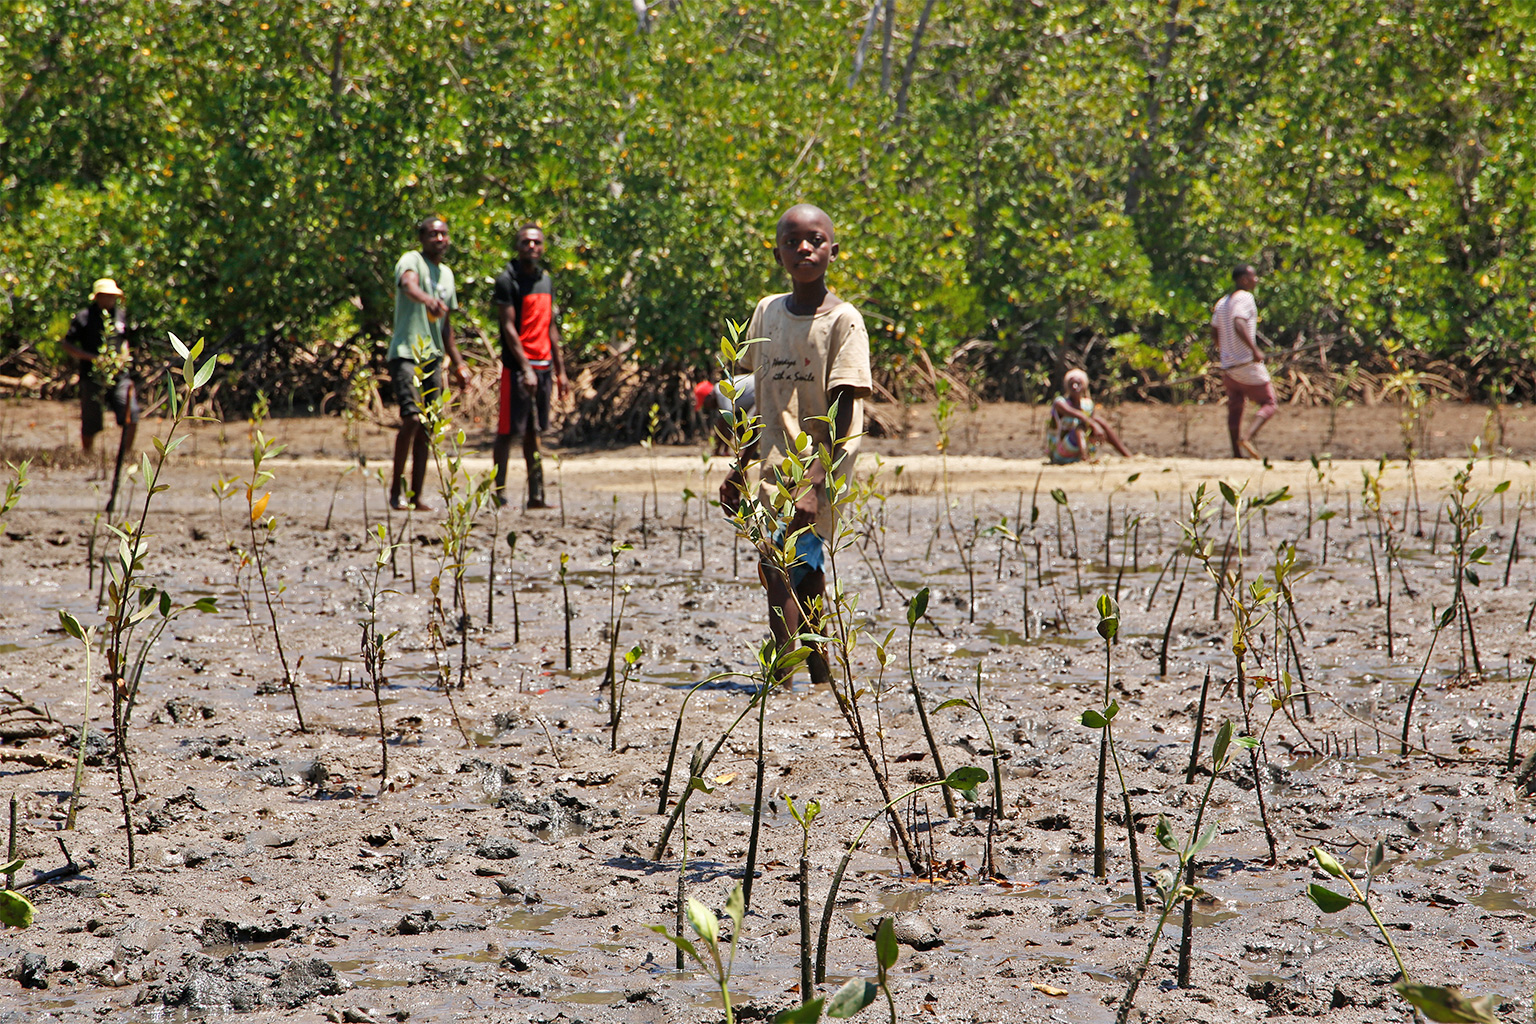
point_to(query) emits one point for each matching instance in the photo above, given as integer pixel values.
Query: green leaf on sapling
(967, 778)
(71, 625)
(1093, 719)
(1447, 1004)
(1204, 840)
(886, 949)
(1164, 834)
(15, 910)
(917, 607)
(1227, 493)
(1328, 901)
(1219, 746)
(855, 994)
(703, 921)
(953, 702)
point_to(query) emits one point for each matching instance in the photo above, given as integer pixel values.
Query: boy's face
(434, 240)
(530, 245)
(804, 247)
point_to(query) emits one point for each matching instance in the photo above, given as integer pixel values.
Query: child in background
(811, 351)
(1074, 424)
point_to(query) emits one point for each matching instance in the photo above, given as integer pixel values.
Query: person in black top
(98, 339)
(532, 367)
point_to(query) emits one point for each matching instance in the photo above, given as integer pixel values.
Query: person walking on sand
(97, 338)
(1075, 424)
(424, 298)
(1234, 329)
(532, 366)
(810, 351)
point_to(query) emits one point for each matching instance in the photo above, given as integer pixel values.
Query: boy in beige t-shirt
(811, 351)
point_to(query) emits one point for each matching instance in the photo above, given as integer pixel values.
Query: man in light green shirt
(424, 297)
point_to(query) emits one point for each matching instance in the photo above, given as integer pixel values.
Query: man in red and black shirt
(532, 367)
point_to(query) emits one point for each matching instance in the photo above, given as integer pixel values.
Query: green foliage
(1080, 177)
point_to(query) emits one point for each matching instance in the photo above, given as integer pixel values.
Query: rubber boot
(536, 484)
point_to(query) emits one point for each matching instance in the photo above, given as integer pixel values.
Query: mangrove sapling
(1177, 884)
(682, 523)
(168, 610)
(964, 780)
(1447, 1003)
(1200, 548)
(804, 817)
(1443, 620)
(224, 489)
(943, 416)
(616, 695)
(915, 610)
(616, 603)
(707, 927)
(677, 732)
(565, 593)
(1466, 520)
(14, 486)
(989, 866)
(1103, 720)
(1514, 733)
(856, 993)
(649, 444)
(695, 782)
(1059, 496)
(783, 664)
(126, 608)
(517, 620)
(263, 448)
(87, 637)
(374, 643)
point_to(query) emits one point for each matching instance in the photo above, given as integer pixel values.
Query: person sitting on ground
(712, 400)
(98, 340)
(424, 296)
(1075, 425)
(813, 353)
(532, 365)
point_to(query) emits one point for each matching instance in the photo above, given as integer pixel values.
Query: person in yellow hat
(98, 339)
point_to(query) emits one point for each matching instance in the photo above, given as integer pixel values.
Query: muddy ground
(510, 878)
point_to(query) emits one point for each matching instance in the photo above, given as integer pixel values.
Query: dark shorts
(521, 411)
(403, 373)
(122, 399)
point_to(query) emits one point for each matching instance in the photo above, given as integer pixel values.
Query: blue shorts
(810, 554)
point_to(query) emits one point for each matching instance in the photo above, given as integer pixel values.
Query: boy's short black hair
(1241, 269)
(428, 221)
(529, 225)
(810, 208)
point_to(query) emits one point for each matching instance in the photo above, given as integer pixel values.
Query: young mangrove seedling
(618, 598)
(856, 993)
(804, 816)
(1443, 620)
(14, 486)
(1438, 1003)
(916, 609)
(1059, 496)
(87, 637)
(374, 643)
(517, 621)
(963, 780)
(1175, 884)
(989, 865)
(128, 604)
(565, 593)
(707, 927)
(616, 694)
(1103, 720)
(262, 528)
